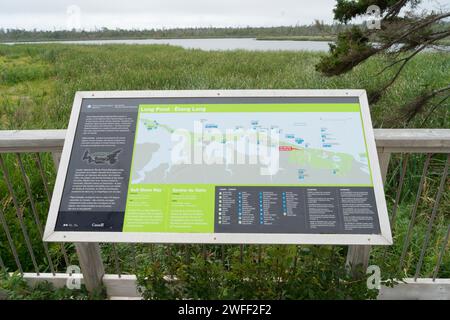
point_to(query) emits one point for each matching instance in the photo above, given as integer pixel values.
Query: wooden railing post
(358, 256)
(89, 255)
(91, 265)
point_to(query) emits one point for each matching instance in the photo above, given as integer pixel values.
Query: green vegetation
(265, 272)
(314, 32)
(389, 259)
(37, 83)
(317, 29)
(14, 287)
(37, 86)
(399, 38)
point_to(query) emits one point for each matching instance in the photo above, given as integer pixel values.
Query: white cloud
(140, 14)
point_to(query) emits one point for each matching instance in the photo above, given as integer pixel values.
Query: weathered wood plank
(125, 286)
(422, 289)
(91, 264)
(413, 140)
(58, 280)
(31, 140)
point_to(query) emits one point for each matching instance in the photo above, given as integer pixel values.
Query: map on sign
(221, 167)
(313, 148)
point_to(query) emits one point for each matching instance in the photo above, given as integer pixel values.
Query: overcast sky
(141, 14)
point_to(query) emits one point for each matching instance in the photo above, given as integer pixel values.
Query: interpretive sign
(238, 166)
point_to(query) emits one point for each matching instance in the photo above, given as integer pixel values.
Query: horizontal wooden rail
(413, 140)
(12, 141)
(387, 140)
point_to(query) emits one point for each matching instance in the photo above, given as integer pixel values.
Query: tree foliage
(404, 32)
(316, 29)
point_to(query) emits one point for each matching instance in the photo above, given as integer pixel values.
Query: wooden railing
(15, 144)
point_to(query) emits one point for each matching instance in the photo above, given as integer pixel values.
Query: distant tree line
(318, 28)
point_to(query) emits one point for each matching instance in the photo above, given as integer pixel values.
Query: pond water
(223, 44)
(216, 44)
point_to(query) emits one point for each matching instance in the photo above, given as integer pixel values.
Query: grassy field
(38, 83)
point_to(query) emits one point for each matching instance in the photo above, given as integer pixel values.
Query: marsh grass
(38, 82)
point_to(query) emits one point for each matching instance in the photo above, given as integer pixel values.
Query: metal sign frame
(385, 238)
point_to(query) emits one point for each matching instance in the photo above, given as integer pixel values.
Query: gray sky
(140, 14)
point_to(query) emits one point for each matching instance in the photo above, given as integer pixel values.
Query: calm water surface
(216, 44)
(223, 44)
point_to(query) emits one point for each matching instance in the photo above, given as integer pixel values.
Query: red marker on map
(287, 148)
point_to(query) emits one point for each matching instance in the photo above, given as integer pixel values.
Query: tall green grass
(38, 82)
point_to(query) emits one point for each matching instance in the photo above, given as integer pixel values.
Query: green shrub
(14, 287)
(263, 272)
(11, 74)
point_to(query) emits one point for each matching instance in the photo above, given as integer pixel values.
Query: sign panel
(275, 166)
